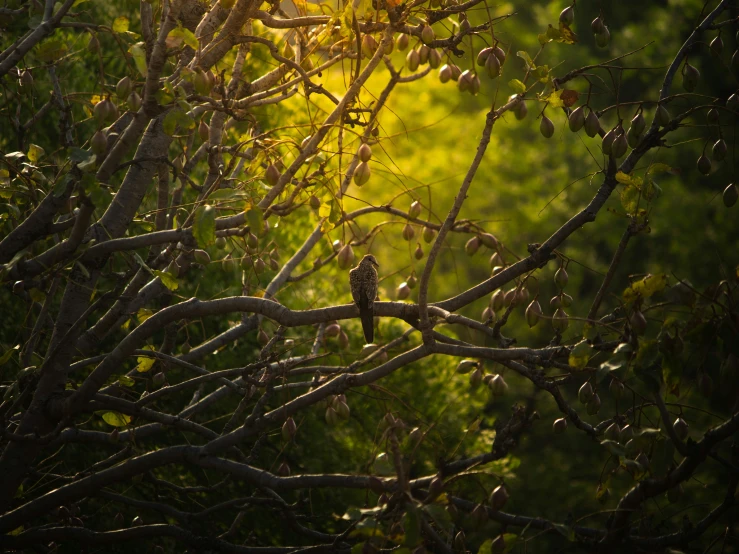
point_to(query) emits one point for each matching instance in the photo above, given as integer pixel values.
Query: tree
(184, 201)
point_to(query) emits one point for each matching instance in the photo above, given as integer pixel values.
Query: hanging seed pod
(483, 55)
(719, 150)
(343, 340)
(704, 164)
(489, 240)
(691, 75)
(434, 58)
(627, 433)
(638, 322)
(105, 112)
(488, 316)
(259, 266)
(492, 66)
(546, 127)
(561, 278)
(638, 124)
(415, 209)
(262, 337)
(732, 102)
(730, 195)
(364, 152)
(332, 418)
(134, 101)
(612, 432)
(220, 243)
(597, 25)
(533, 313)
(585, 393)
(593, 406)
(418, 252)
(476, 378)
(602, 40)
(681, 428)
(345, 258)
(576, 119)
(272, 175)
(498, 498)
(428, 234)
(498, 386)
(474, 85)
(465, 366)
(408, 232)
(93, 45)
(520, 110)
(456, 72)
(662, 116)
(289, 428)
(560, 320)
(123, 88)
(559, 426)
(412, 281)
(495, 260)
(201, 257)
(459, 542)
(427, 34)
(314, 202)
(402, 42)
(252, 241)
(403, 292)
(592, 124)
(717, 46)
(606, 145)
(500, 54)
(98, 143)
(712, 116)
(619, 146)
(616, 388)
(472, 246)
(555, 302)
(567, 16)
(361, 174)
(412, 60)
(369, 46)
(497, 300)
(565, 299)
(388, 48)
(423, 54)
(204, 131)
(445, 73)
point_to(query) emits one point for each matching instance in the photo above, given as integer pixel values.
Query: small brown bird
(363, 282)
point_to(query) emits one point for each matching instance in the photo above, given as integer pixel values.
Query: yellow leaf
(145, 363)
(120, 24)
(116, 419)
(554, 99)
(35, 153)
(143, 314)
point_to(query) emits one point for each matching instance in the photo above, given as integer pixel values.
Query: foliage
(185, 186)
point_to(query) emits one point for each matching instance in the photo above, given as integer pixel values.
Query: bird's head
(370, 259)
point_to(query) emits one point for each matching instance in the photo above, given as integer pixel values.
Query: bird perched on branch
(363, 282)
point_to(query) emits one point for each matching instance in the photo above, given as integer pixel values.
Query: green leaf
(35, 153)
(8, 354)
(186, 35)
(630, 198)
(412, 526)
(116, 419)
(614, 448)
(120, 24)
(168, 280)
(646, 287)
(51, 50)
(126, 381)
(139, 57)
(169, 125)
(204, 226)
(526, 58)
(580, 355)
(517, 86)
(254, 217)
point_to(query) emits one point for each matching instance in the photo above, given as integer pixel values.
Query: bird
(363, 284)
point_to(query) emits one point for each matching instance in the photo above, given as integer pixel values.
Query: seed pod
(489, 240)
(616, 388)
(607, 143)
(402, 42)
(638, 123)
(681, 428)
(509, 297)
(332, 418)
(643, 461)
(546, 127)
(638, 322)
(465, 366)
(221, 243)
(362, 174)
(412, 281)
(592, 124)
(427, 34)
(388, 48)
(403, 292)
(201, 257)
(204, 131)
(123, 88)
(465, 81)
(498, 498)
(262, 337)
(712, 116)
(289, 428)
(488, 315)
(459, 543)
(428, 234)
(474, 84)
(343, 340)
(364, 152)
(627, 433)
(415, 209)
(472, 246)
(602, 40)
(478, 517)
(612, 432)
(456, 72)
(345, 258)
(93, 45)
(533, 313)
(492, 66)
(500, 54)
(662, 116)
(412, 60)
(418, 252)
(137, 521)
(259, 266)
(717, 46)
(597, 25)
(483, 55)
(561, 278)
(105, 112)
(408, 232)
(559, 426)
(593, 406)
(498, 386)
(423, 54)
(521, 111)
(134, 101)
(476, 378)
(704, 164)
(731, 193)
(342, 409)
(719, 150)
(283, 470)
(555, 302)
(445, 73)
(632, 139)
(98, 143)
(434, 58)
(567, 16)
(585, 393)
(619, 146)
(314, 202)
(691, 75)
(576, 119)
(732, 102)
(252, 241)
(272, 175)
(497, 300)
(369, 46)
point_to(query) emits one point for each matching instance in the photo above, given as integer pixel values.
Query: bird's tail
(368, 325)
